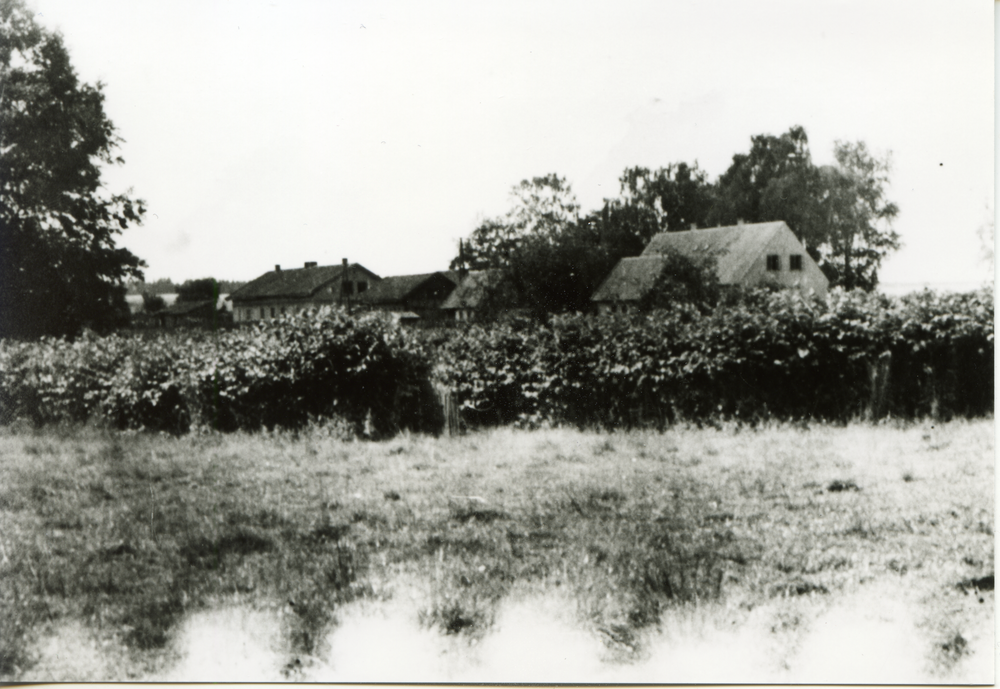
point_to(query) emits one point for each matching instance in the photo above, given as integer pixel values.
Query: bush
(763, 355)
(274, 374)
(759, 356)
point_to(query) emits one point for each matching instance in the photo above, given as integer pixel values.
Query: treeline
(763, 356)
(552, 255)
(195, 287)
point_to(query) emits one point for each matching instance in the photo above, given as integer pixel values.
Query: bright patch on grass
(637, 561)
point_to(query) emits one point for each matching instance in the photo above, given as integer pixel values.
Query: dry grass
(642, 534)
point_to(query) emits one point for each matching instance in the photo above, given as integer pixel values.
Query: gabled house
(630, 280)
(412, 297)
(292, 291)
(468, 299)
(745, 255)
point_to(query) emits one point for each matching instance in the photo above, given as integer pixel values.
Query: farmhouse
(745, 255)
(412, 297)
(292, 291)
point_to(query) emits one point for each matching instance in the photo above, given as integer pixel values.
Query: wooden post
(878, 375)
(449, 411)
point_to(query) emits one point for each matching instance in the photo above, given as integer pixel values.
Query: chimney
(462, 269)
(277, 268)
(310, 264)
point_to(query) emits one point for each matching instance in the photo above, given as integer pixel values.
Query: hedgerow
(765, 355)
(279, 373)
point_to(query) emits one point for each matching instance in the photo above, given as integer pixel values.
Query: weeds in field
(133, 533)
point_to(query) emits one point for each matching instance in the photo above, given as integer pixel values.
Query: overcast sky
(273, 131)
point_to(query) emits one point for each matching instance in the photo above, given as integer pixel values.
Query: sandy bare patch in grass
(655, 549)
(868, 637)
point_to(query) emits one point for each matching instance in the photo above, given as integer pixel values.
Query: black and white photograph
(497, 342)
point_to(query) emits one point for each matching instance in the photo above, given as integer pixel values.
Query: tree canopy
(552, 262)
(541, 209)
(202, 289)
(839, 212)
(678, 196)
(59, 264)
(858, 217)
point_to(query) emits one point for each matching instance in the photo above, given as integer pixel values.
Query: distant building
(189, 313)
(745, 255)
(296, 290)
(466, 302)
(411, 297)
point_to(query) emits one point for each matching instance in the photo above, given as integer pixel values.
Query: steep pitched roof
(735, 247)
(396, 288)
(472, 290)
(630, 279)
(292, 283)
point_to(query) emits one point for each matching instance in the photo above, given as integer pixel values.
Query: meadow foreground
(828, 554)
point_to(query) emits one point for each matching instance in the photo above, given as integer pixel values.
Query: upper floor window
(795, 262)
(773, 262)
(362, 286)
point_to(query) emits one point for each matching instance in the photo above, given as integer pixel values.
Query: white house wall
(784, 244)
(262, 309)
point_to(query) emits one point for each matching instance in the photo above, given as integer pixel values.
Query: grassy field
(782, 553)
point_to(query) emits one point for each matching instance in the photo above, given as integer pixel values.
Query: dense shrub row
(762, 356)
(280, 373)
(765, 355)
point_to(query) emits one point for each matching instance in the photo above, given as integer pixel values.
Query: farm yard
(827, 553)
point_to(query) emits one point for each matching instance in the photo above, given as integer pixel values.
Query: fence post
(449, 411)
(878, 375)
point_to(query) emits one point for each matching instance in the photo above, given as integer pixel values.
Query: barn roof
(472, 290)
(630, 279)
(396, 288)
(292, 283)
(734, 247)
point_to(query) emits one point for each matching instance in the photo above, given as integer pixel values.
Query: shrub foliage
(282, 373)
(761, 355)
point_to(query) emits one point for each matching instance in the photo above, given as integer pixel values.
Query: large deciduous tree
(541, 208)
(60, 268)
(201, 289)
(776, 180)
(548, 260)
(677, 196)
(839, 212)
(857, 216)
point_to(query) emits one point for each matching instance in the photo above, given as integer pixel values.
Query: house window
(795, 262)
(362, 286)
(348, 287)
(261, 311)
(282, 310)
(773, 262)
(272, 312)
